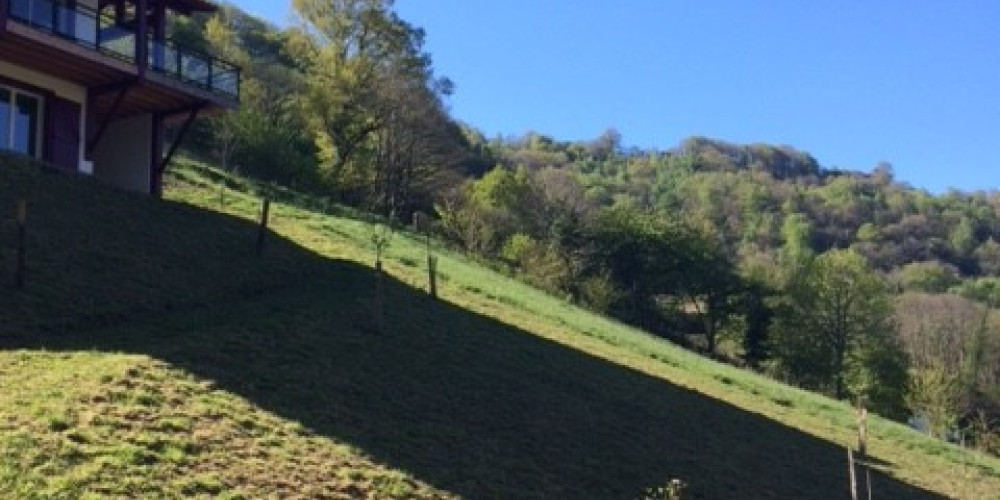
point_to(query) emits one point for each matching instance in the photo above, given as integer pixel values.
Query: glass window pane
(26, 125)
(42, 13)
(4, 118)
(65, 19)
(20, 9)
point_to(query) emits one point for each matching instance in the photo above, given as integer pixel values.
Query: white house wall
(123, 154)
(62, 88)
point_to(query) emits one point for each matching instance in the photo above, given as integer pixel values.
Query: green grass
(153, 355)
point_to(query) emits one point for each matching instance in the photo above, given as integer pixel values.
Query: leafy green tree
(796, 232)
(264, 137)
(868, 232)
(963, 236)
(988, 257)
(935, 395)
(358, 58)
(757, 318)
(930, 277)
(985, 290)
(708, 281)
(642, 255)
(836, 316)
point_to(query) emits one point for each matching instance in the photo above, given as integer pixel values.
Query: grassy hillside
(154, 355)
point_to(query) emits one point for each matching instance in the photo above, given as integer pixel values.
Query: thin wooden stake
(868, 480)
(863, 446)
(862, 431)
(850, 468)
(432, 275)
(379, 299)
(20, 270)
(262, 231)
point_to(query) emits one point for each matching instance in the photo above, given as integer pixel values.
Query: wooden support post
(262, 229)
(157, 132)
(20, 269)
(108, 118)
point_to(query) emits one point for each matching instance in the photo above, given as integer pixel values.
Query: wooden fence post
(262, 230)
(432, 263)
(850, 468)
(863, 447)
(20, 269)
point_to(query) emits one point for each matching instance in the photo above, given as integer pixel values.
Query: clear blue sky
(912, 82)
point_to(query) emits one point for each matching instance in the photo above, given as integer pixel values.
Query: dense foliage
(752, 253)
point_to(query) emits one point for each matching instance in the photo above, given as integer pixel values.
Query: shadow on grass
(475, 406)
(464, 402)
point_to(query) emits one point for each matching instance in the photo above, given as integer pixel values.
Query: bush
(928, 277)
(599, 292)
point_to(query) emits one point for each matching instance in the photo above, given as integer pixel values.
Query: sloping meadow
(153, 353)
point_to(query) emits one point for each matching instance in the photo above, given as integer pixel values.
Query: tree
(952, 343)
(796, 231)
(836, 316)
(708, 281)
(641, 254)
(757, 318)
(417, 150)
(935, 395)
(988, 257)
(605, 146)
(963, 237)
(351, 52)
(264, 137)
(930, 277)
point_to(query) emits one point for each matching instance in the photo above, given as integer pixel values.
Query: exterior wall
(61, 88)
(123, 156)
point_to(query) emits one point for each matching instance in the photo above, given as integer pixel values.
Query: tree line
(847, 283)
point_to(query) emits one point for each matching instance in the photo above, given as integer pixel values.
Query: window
(20, 120)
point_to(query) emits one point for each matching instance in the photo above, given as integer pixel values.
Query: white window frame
(7, 143)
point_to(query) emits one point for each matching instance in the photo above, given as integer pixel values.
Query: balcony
(98, 32)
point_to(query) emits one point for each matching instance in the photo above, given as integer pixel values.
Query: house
(90, 85)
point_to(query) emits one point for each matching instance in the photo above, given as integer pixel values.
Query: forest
(849, 283)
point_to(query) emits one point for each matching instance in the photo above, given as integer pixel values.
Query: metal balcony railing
(93, 30)
(194, 68)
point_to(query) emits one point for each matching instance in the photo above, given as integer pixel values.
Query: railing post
(55, 18)
(97, 30)
(4, 14)
(142, 37)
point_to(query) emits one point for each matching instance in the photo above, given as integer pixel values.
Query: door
(63, 127)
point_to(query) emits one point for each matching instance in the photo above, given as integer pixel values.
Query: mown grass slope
(153, 355)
